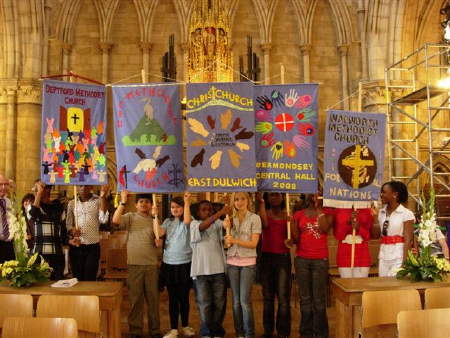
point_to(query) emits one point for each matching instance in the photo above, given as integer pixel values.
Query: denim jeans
(276, 282)
(312, 279)
(241, 281)
(211, 297)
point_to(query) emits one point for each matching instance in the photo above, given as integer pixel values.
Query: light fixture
(444, 83)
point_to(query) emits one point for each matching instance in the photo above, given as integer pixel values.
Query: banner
(73, 134)
(147, 127)
(354, 158)
(286, 137)
(220, 128)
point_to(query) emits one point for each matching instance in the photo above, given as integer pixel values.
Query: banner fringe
(327, 202)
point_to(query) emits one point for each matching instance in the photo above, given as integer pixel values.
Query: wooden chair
(104, 247)
(424, 323)
(116, 264)
(380, 310)
(21, 327)
(84, 309)
(15, 306)
(437, 298)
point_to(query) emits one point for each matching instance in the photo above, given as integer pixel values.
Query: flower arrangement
(25, 270)
(424, 266)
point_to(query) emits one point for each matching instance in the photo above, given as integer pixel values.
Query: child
(142, 259)
(241, 262)
(208, 268)
(275, 264)
(345, 220)
(311, 267)
(395, 224)
(176, 266)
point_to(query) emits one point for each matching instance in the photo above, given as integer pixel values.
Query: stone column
(105, 48)
(362, 30)
(45, 43)
(306, 71)
(146, 48)
(11, 133)
(184, 54)
(28, 151)
(266, 47)
(66, 51)
(343, 51)
(3, 122)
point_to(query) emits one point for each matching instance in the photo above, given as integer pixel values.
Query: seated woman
(395, 223)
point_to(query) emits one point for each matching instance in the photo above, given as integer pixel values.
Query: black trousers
(6, 251)
(179, 304)
(84, 260)
(276, 282)
(57, 263)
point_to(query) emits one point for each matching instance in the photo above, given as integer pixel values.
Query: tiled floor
(228, 323)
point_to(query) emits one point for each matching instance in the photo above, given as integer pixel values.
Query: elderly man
(6, 243)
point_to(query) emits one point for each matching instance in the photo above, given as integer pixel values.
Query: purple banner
(220, 128)
(286, 137)
(354, 158)
(73, 139)
(147, 126)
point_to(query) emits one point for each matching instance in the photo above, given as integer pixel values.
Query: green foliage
(424, 267)
(25, 273)
(25, 270)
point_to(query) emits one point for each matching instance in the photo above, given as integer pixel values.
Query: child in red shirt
(344, 222)
(311, 266)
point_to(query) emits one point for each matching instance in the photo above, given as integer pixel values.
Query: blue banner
(286, 137)
(220, 128)
(73, 134)
(147, 126)
(354, 158)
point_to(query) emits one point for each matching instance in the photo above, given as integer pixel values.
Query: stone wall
(330, 42)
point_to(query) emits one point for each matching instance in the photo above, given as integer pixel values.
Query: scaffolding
(416, 102)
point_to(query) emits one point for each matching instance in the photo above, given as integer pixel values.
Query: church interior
(390, 57)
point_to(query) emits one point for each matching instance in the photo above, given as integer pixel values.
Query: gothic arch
(424, 20)
(11, 34)
(145, 11)
(105, 11)
(265, 10)
(305, 14)
(66, 20)
(184, 13)
(342, 21)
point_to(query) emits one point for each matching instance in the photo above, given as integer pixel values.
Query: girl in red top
(345, 220)
(311, 267)
(275, 264)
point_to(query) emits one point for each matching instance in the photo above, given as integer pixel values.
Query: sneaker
(187, 331)
(171, 334)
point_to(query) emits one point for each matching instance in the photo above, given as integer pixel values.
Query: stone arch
(425, 18)
(305, 14)
(184, 14)
(11, 42)
(106, 11)
(342, 21)
(264, 14)
(66, 19)
(145, 11)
